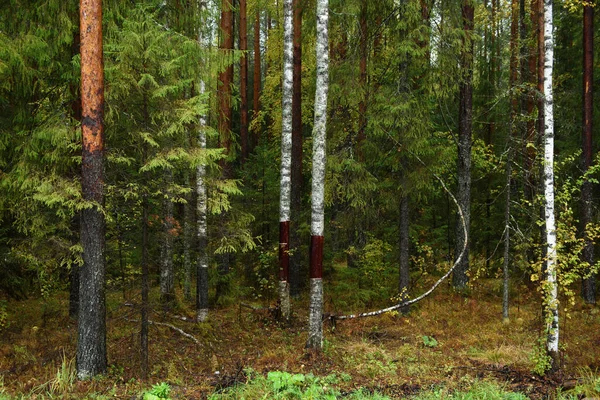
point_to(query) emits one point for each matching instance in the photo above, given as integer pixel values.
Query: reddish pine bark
(91, 344)
(243, 82)
(225, 80)
(257, 74)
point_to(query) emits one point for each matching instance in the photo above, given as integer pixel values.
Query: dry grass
(382, 352)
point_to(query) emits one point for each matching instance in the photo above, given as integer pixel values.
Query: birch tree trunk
(91, 343)
(201, 213)
(167, 275)
(315, 323)
(551, 286)
(589, 283)
(286, 161)
(465, 119)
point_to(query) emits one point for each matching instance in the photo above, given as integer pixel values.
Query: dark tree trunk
(145, 290)
(362, 106)
(297, 178)
(244, 82)
(91, 345)
(589, 283)
(404, 251)
(465, 117)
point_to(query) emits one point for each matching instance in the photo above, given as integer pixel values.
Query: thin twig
(181, 331)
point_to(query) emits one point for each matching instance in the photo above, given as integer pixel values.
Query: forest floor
(447, 341)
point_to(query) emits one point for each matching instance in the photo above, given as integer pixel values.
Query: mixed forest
(298, 199)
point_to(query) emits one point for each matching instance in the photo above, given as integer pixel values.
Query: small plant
(158, 391)
(429, 341)
(540, 359)
(65, 376)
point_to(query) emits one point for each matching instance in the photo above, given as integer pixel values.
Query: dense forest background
(423, 95)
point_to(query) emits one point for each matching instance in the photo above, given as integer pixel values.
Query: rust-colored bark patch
(316, 256)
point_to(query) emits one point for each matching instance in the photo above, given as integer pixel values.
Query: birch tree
(91, 343)
(551, 286)
(315, 324)
(286, 161)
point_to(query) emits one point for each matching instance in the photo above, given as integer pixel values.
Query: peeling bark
(551, 285)
(91, 344)
(286, 159)
(315, 324)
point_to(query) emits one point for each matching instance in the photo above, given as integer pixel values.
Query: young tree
(551, 285)
(297, 177)
(315, 324)
(589, 283)
(465, 121)
(286, 161)
(91, 343)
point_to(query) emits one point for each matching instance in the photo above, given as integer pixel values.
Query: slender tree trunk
(362, 105)
(465, 118)
(514, 108)
(201, 214)
(167, 276)
(551, 285)
(91, 344)
(404, 281)
(225, 80)
(286, 160)
(315, 323)
(145, 289)
(257, 75)
(244, 82)
(589, 283)
(224, 125)
(188, 216)
(297, 176)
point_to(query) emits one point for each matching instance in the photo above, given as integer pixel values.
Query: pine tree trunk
(224, 86)
(257, 75)
(315, 323)
(465, 117)
(243, 82)
(91, 344)
(551, 285)
(297, 176)
(589, 283)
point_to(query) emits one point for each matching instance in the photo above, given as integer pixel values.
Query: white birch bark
(315, 323)
(320, 122)
(286, 144)
(551, 300)
(201, 215)
(286, 120)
